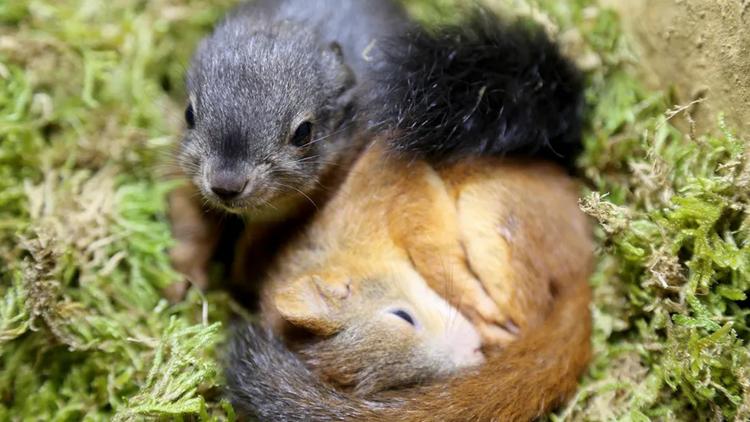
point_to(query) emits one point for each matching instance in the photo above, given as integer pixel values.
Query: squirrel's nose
(227, 185)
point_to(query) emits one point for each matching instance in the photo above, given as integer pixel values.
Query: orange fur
(486, 234)
(485, 230)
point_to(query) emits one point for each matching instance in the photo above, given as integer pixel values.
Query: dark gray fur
(484, 86)
(267, 381)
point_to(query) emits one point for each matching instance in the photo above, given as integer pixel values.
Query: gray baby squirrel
(272, 100)
(280, 92)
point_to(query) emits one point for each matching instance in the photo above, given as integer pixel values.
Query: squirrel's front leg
(448, 273)
(427, 229)
(197, 233)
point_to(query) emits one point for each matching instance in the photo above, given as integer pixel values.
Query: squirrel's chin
(232, 209)
(260, 209)
(240, 206)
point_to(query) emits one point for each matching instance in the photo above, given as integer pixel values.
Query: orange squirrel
(503, 241)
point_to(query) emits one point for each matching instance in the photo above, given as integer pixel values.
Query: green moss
(90, 102)
(84, 331)
(670, 291)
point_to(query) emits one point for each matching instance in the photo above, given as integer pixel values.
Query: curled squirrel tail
(526, 380)
(485, 86)
(267, 381)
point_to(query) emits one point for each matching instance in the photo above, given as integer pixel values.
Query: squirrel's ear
(310, 304)
(343, 77)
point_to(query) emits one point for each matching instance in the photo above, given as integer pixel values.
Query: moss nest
(90, 105)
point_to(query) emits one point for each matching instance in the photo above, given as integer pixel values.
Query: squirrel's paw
(494, 335)
(494, 325)
(479, 306)
(188, 262)
(196, 238)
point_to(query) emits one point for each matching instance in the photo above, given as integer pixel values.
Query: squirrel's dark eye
(190, 116)
(405, 316)
(303, 134)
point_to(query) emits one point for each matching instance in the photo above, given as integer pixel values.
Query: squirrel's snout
(227, 185)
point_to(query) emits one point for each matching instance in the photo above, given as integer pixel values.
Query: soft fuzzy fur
(485, 86)
(266, 380)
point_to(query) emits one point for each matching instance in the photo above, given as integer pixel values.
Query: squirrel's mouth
(233, 209)
(242, 205)
(259, 206)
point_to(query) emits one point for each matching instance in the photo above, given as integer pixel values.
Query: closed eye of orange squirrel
(478, 231)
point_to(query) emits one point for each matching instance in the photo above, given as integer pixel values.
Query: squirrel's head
(378, 333)
(264, 106)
